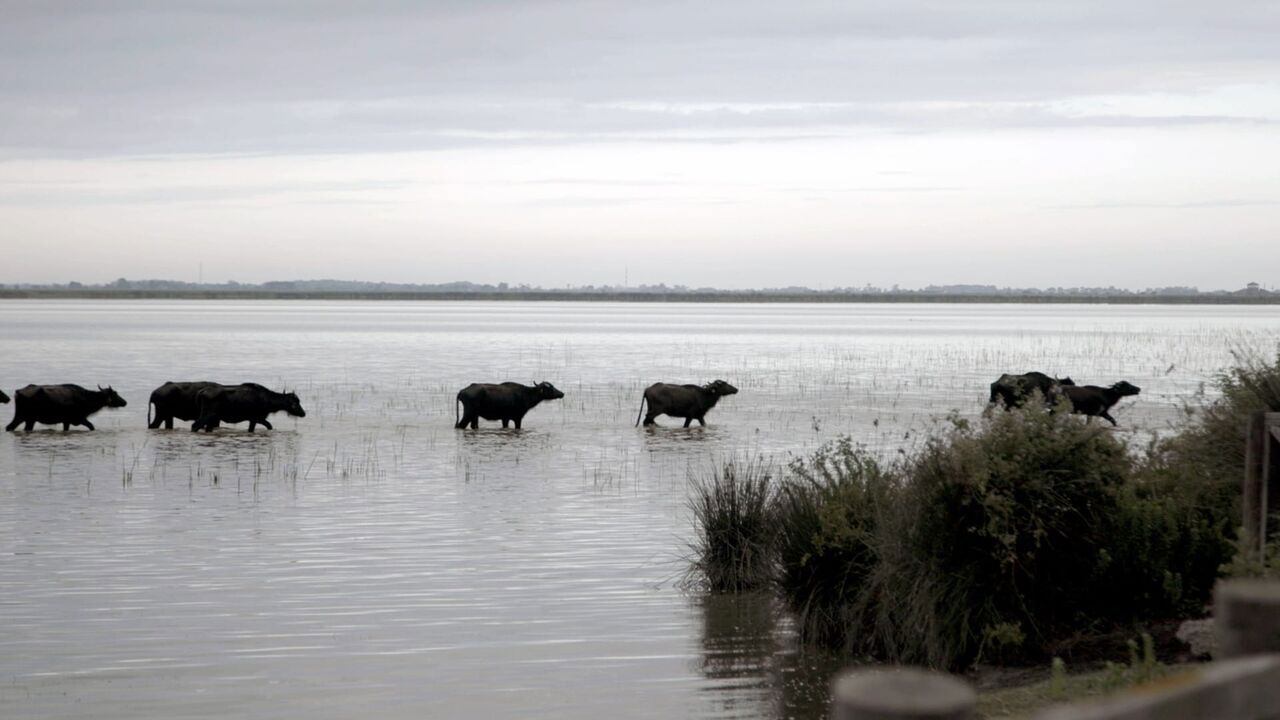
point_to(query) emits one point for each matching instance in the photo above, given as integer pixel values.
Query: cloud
(55, 195)
(94, 79)
(1195, 205)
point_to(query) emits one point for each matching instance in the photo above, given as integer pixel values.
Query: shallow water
(369, 559)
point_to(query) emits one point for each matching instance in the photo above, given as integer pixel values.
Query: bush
(827, 512)
(733, 545)
(1009, 532)
(1198, 472)
(1002, 540)
(1207, 457)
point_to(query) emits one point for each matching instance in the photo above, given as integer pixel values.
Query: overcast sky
(734, 144)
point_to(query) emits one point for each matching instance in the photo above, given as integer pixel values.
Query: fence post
(901, 694)
(1254, 446)
(1246, 616)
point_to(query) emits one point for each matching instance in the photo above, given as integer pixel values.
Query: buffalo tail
(641, 413)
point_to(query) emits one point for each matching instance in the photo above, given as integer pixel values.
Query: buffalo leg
(66, 427)
(505, 423)
(462, 423)
(252, 424)
(31, 425)
(687, 421)
(87, 424)
(649, 419)
(1107, 416)
(168, 423)
(702, 422)
(13, 425)
(263, 422)
(517, 421)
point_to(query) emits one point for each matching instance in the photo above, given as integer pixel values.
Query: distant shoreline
(644, 297)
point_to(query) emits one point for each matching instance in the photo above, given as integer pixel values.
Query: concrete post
(1247, 617)
(901, 694)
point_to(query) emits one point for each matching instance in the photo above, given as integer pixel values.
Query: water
(370, 560)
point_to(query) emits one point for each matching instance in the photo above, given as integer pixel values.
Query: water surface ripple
(371, 560)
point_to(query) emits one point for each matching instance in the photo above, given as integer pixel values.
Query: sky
(729, 144)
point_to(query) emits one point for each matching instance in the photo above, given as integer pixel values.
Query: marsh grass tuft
(732, 550)
(827, 513)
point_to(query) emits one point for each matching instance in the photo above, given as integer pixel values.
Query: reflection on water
(753, 664)
(740, 649)
(370, 559)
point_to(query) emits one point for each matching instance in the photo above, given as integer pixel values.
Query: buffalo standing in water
(690, 402)
(1012, 391)
(1094, 401)
(245, 402)
(3, 398)
(66, 405)
(507, 402)
(179, 400)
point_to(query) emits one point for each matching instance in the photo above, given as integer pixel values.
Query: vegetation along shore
(1022, 538)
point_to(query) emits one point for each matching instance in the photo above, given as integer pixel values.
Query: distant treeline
(747, 296)
(353, 290)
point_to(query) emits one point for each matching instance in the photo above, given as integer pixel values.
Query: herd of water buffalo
(208, 405)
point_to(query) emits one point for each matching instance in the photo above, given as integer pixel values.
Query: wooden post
(1261, 499)
(901, 694)
(1255, 444)
(1246, 617)
(1270, 475)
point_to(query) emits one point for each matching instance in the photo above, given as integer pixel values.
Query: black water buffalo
(690, 402)
(3, 398)
(507, 402)
(1093, 401)
(60, 404)
(244, 402)
(1012, 391)
(179, 400)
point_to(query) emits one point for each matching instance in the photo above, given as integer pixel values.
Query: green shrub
(1001, 540)
(1248, 561)
(734, 535)
(1009, 533)
(826, 513)
(1206, 458)
(1197, 474)
(1169, 548)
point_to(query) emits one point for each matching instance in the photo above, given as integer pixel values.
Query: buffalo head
(1066, 381)
(3, 398)
(720, 387)
(1124, 388)
(113, 398)
(293, 406)
(547, 391)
